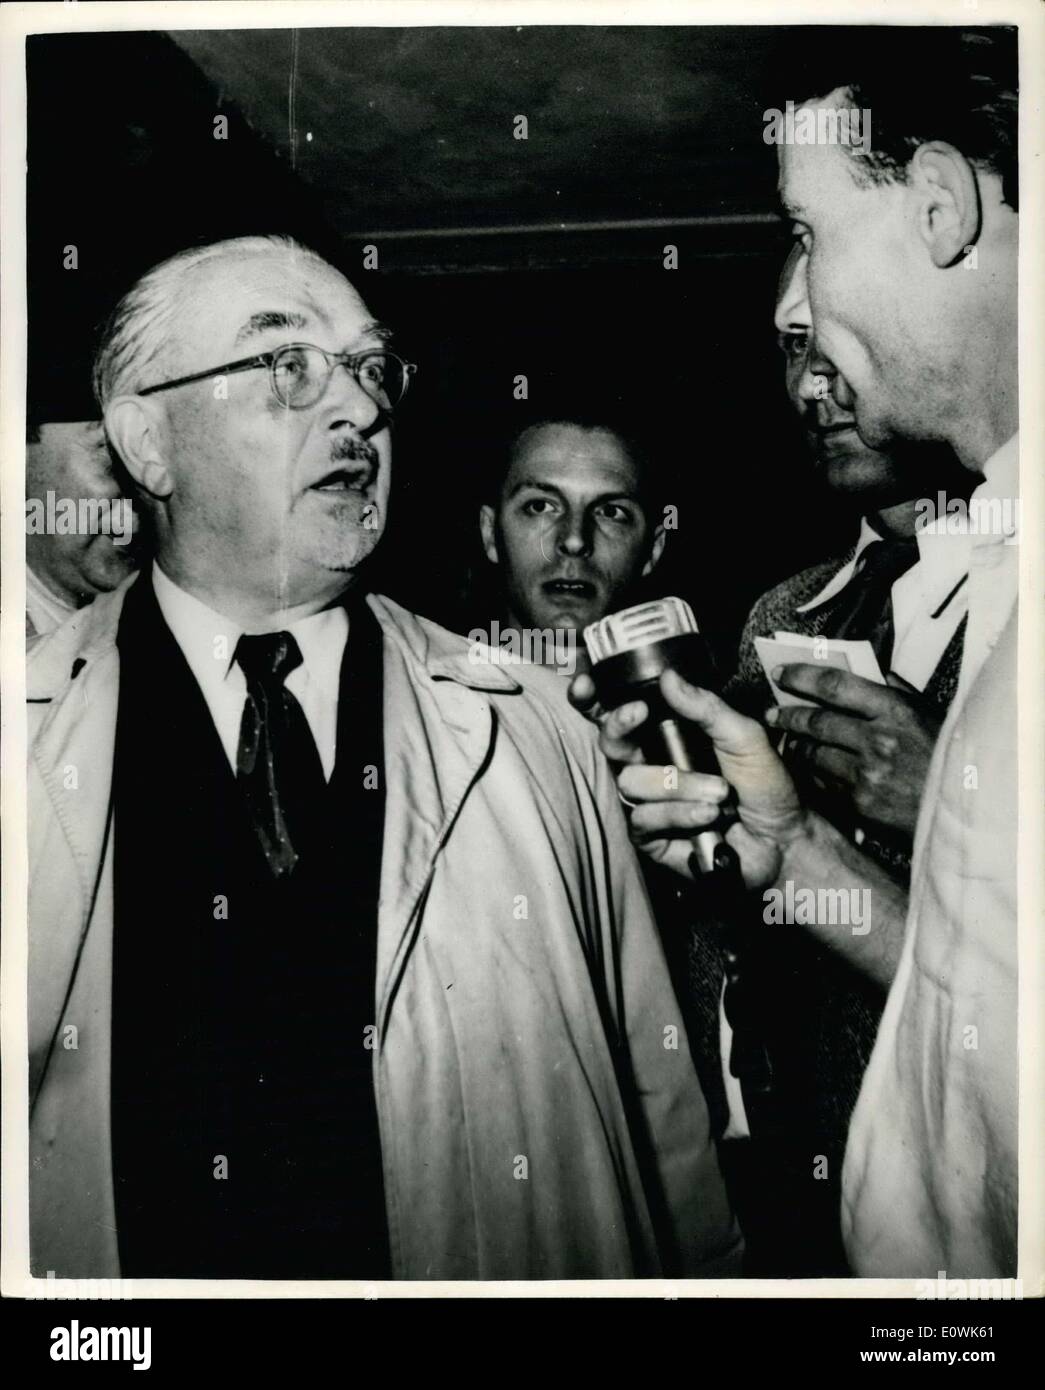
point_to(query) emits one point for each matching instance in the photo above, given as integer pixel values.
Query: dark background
(497, 256)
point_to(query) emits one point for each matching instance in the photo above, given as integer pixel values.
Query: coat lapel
(439, 729)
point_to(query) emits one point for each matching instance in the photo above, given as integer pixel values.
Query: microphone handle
(708, 841)
(634, 674)
(715, 866)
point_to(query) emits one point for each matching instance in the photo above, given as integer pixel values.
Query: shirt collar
(1002, 468)
(955, 528)
(1001, 484)
(943, 562)
(208, 639)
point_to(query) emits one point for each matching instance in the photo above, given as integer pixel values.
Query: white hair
(139, 328)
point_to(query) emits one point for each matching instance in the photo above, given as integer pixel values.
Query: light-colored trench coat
(516, 957)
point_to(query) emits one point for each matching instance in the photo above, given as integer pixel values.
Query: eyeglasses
(300, 373)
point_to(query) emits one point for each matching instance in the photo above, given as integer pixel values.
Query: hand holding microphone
(646, 709)
(640, 653)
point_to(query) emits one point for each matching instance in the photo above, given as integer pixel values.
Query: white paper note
(785, 648)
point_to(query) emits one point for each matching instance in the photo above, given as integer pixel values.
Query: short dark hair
(960, 86)
(635, 446)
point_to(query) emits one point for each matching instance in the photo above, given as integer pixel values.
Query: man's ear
(488, 531)
(134, 428)
(656, 551)
(949, 213)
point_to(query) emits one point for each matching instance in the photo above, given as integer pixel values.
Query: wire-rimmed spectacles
(299, 374)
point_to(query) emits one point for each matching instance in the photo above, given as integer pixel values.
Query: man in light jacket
(909, 261)
(340, 960)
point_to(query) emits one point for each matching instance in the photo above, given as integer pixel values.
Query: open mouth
(835, 439)
(569, 588)
(344, 480)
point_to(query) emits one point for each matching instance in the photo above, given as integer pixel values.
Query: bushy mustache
(349, 447)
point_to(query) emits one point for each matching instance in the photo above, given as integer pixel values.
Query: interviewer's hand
(873, 740)
(665, 818)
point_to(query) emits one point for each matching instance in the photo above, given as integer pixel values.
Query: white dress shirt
(929, 600)
(930, 1176)
(208, 643)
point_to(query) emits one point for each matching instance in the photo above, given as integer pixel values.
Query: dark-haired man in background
(571, 530)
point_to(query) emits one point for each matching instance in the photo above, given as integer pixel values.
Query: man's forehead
(808, 171)
(241, 293)
(811, 175)
(570, 453)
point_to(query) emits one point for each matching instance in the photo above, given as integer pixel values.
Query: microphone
(629, 652)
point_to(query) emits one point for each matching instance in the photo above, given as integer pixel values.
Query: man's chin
(344, 538)
(864, 474)
(102, 579)
(574, 618)
(346, 559)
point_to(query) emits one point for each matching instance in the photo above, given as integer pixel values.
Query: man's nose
(574, 535)
(792, 307)
(347, 403)
(817, 375)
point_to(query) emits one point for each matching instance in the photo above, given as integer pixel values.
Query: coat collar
(58, 657)
(444, 655)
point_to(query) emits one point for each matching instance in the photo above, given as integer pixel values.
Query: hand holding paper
(789, 648)
(865, 735)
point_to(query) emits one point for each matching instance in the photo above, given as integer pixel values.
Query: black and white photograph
(522, 751)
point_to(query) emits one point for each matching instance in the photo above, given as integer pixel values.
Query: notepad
(785, 648)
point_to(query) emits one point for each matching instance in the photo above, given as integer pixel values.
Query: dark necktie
(864, 608)
(277, 765)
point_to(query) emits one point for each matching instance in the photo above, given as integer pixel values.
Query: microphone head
(632, 649)
(638, 627)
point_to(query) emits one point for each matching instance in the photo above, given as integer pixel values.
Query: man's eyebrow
(377, 330)
(266, 319)
(617, 494)
(522, 483)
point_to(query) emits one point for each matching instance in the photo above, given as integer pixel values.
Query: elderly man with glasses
(340, 961)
